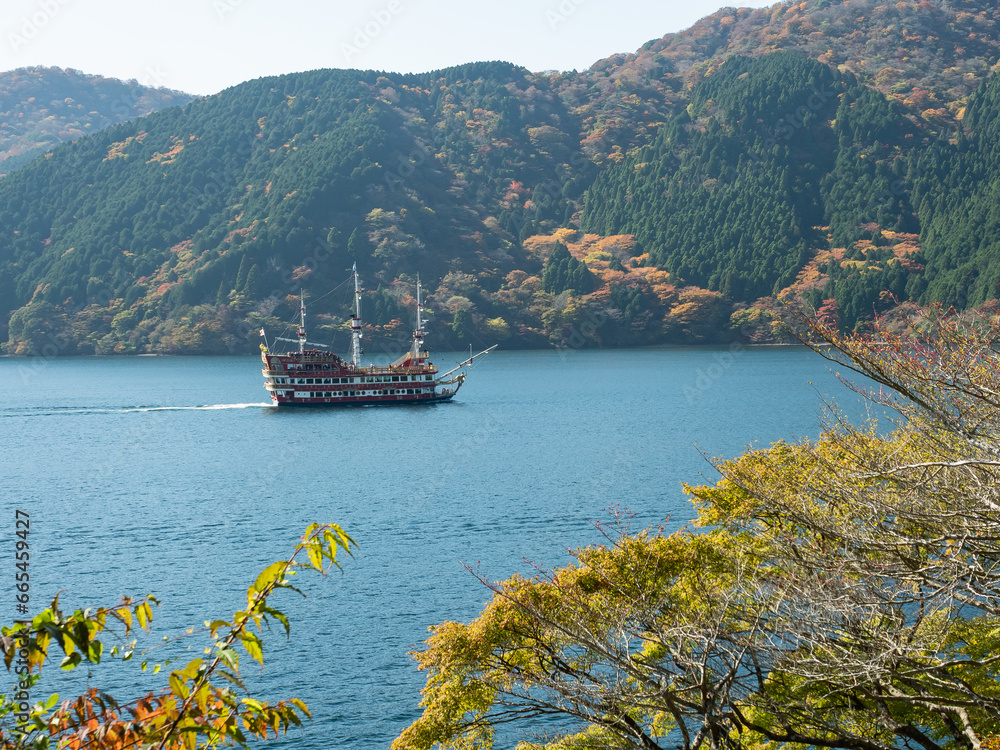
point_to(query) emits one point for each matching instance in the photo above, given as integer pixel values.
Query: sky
(204, 46)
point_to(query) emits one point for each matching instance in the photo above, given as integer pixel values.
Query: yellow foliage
(117, 150)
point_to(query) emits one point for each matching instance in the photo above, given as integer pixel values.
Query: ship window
(427, 377)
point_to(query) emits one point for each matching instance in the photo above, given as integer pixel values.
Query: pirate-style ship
(314, 377)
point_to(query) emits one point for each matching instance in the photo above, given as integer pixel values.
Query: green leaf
(252, 645)
(315, 557)
(178, 685)
(192, 669)
(126, 615)
(271, 573)
(230, 658)
(301, 706)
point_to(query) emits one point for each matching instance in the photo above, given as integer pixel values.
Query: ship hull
(346, 403)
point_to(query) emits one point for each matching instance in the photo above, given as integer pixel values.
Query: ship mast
(356, 322)
(418, 332)
(302, 322)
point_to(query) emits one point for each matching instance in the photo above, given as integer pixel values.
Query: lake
(175, 476)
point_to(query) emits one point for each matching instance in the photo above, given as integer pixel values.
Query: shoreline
(736, 345)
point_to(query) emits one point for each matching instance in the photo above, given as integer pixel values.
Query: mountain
(668, 195)
(43, 107)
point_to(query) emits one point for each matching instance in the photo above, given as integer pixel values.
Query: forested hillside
(665, 196)
(926, 55)
(43, 107)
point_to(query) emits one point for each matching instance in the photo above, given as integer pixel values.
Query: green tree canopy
(564, 273)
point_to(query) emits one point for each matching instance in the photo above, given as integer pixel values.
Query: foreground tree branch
(841, 593)
(195, 709)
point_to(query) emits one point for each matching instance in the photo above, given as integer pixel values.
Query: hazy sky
(203, 46)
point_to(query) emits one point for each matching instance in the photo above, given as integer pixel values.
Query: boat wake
(50, 411)
(206, 407)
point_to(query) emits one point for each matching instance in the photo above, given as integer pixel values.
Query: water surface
(174, 476)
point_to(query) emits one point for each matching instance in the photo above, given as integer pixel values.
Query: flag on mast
(261, 331)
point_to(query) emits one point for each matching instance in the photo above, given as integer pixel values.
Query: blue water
(174, 476)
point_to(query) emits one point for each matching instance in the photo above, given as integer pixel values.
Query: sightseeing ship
(313, 377)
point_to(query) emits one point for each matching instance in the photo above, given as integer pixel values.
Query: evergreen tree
(358, 247)
(462, 326)
(563, 273)
(251, 290)
(241, 277)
